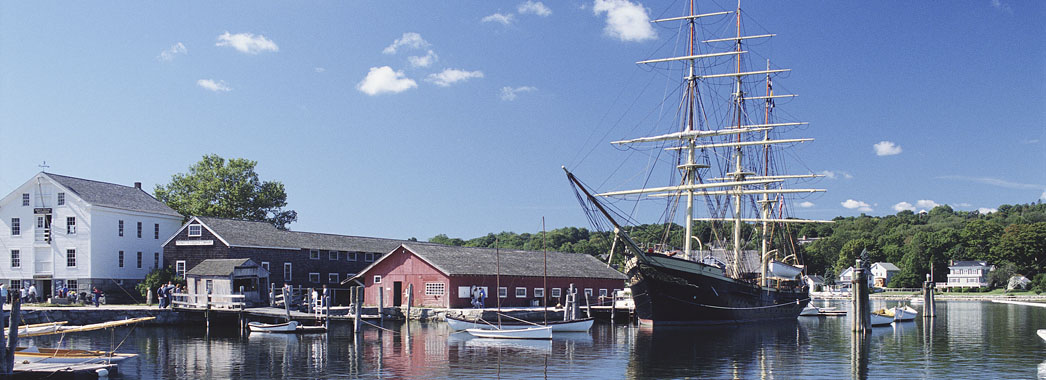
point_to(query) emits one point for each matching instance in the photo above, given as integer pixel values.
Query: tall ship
(725, 154)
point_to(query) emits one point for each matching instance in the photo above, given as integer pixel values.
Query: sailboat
(727, 154)
(58, 355)
(533, 331)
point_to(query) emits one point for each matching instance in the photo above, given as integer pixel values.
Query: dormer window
(195, 230)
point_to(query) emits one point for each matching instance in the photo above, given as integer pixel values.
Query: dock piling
(381, 304)
(357, 300)
(859, 286)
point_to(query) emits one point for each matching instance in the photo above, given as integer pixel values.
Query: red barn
(451, 277)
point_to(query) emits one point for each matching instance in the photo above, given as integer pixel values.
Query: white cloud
(903, 206)
(423, 61)
(173, 51)
(626, 21)
(986, 211)
(319, 70)
(503, 19)
(509, 93)
(210, 84)
(998, 4)
(887, 148)
(964, 204)
(409, 39)
(854, 204)
(450, 76)
(926, 203)
(995, 182)
(806, 204)
(247, 43)
(534, 7)
(383, 79)
(835, 174)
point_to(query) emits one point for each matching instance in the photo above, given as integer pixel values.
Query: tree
(227, 189)
(1025, 246)
(157, 277)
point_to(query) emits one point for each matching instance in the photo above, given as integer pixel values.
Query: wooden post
(12, 342)
(588, 306)
(357, 322)
(272, 295)
(381, 303)
(410, 299)
(327, 315)
(859, 290)
(207, 311)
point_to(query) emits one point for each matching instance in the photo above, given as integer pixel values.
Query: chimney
(138, 185)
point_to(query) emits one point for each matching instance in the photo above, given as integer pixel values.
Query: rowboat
(57, 355)
(882, 317)
(578, 325)
(1042, 333)
(286, 327)
(542, 332)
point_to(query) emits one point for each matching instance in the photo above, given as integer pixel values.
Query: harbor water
(967, 340)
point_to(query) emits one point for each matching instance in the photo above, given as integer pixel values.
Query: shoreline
(938, 296)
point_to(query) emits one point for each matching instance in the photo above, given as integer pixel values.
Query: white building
(64, 231)
(883, 272)
(846, 278)
(968, 274)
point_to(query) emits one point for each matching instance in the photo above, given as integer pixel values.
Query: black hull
(667, 296)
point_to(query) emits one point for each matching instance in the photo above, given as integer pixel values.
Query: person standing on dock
(97, 296)
(161, 295)
(32, 293)
(3, 293)
(326, 293)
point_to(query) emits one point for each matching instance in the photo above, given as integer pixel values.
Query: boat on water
(729, 154)
(882, 317)
(810, 311)
(534, 332)
(579, 325)
(1042, 333)
(904, 313)
(57, 355)
(286, 327)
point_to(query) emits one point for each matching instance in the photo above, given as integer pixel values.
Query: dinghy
(53, 355)
(882, 317)
(578, 325)
(541, 332)
(810, 311)
(286, 327)
(1042, 333)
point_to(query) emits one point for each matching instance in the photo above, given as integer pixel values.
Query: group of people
(25, 295)
(164, 292)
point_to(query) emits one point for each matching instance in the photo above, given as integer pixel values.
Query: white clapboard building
(60, 231)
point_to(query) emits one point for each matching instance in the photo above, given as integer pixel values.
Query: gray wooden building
(228, 277)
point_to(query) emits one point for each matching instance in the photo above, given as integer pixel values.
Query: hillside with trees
(1012, 238)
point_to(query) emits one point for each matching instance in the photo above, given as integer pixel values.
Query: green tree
(1025, 246)
(227, 189)
(157, 277)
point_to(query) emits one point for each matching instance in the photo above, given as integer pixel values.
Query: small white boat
(810, 311)
(904, 314)
(1042, 333)
(578, 325)
(54, 355)
(542, 332)
(286, 327)
(882, 317)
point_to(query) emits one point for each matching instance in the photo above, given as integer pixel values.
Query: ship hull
(669, 291)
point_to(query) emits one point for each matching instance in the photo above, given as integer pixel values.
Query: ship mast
(738, 174)
(766, 204)
(690, 168)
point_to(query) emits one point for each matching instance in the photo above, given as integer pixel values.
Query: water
(966, 340)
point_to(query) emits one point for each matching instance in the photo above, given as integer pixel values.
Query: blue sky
(400, 120)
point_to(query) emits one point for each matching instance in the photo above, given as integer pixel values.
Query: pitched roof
(113, 195)
(887, 266)
(968, 264)
(247, 233)
(217, 267)
(453, 260)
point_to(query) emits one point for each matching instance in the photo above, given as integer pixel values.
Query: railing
(208, 301)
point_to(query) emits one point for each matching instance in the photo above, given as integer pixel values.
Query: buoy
(102, 372)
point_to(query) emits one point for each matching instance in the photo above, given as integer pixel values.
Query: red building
(451, 277)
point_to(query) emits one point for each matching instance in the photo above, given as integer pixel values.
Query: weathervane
(44, 166)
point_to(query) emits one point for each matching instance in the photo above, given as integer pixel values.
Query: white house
(60, 231)
(847, 276)
(968, 274)
(883, 272)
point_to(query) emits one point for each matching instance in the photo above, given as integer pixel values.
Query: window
(369, 257)
(314, 277)
(314, 254)
(333, 255)
(332, 278)
(120, 228)
(602, 293)
(195, 230)
(351, 256)
(265, 264)
(25, 199)
(156, 260)
(555, 292)
(502, 292)
(73, 285)
(16, 258)
(16, 226)
(521, 292)
(210, 286)
(70, 225)
(61, 199)
(377, 279)
(139, 260)
(588, 292)
(435, 288)
(287, 272)
(139, 230)
(70, 257)
(156, 231)
(179, 268)
(16, 285)
(120, 258)
(539, 292)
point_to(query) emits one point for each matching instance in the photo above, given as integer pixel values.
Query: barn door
(397, 293)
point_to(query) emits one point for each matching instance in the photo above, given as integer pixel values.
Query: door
(397, 294)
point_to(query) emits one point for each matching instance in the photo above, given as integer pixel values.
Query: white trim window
(156, 231)
(377, 279)
(435, 288)
(602, 293)
(314, 277)
(70, 225)
(16, 259)
(139, 230)
(119, 229)
(332, 255)
(156, 259)
(179, 268)
(539, 292)
(139, 260)
(503, 292)
(195, 230)
(70, 257)
(556, 292)
(350, 256)
(61, 199)
(314, 254)
(287, 272)
(588, 292)
(332, 278)
(521, 292)
(369, 257)
(16, 227)
(265, 264)
(25, 199)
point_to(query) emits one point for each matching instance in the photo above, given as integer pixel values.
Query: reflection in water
(859, 355)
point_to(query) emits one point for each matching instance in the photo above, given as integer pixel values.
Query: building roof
(218, 267)
(113, 195)
(887, 266)
(246, 233)
(968, 264)
(816, 279)
(458, 261)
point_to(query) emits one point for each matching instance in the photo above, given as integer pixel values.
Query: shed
(229, 276)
